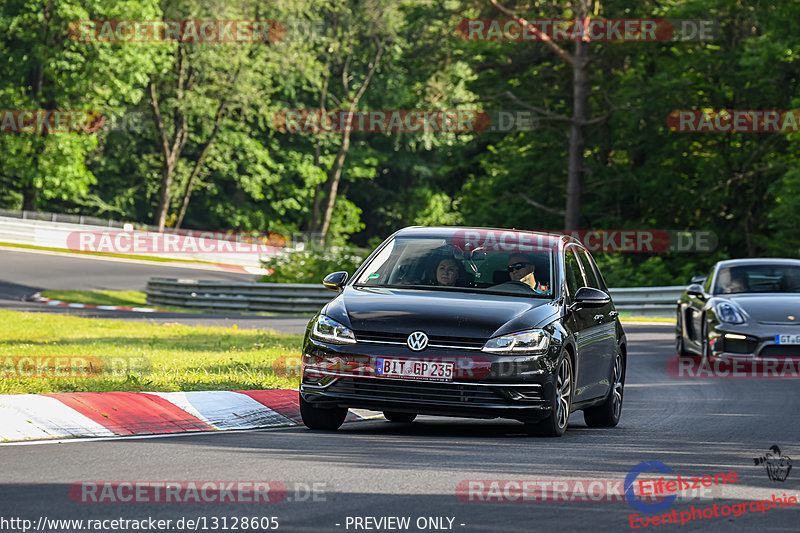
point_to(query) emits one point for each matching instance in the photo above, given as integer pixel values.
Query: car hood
(437, 313)
(770, 308)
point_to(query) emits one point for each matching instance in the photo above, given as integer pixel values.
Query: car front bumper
(483, 385)
(752, 341)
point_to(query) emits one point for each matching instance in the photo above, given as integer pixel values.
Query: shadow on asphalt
(15, 291)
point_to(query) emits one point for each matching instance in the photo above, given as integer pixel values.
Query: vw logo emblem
(417, 341)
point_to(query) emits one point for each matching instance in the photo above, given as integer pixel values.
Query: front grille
(778, 350)
(738, 346)
(400, 338)
(422, 392)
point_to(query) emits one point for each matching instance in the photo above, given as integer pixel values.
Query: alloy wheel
(563, 392)
(618, 386)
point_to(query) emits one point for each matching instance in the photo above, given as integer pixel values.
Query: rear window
(434, 263)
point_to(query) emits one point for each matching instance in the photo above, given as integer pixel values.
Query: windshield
(436, 264)
(758, 278)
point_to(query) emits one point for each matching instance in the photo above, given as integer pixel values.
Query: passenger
(790, 281)
(521, 268)
(447, 272)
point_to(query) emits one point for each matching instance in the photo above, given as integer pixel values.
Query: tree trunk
(187, 192)
(319, 187)
(336, 171)
(336, 175)
(171, 153)
(580, 79)
(164, 193)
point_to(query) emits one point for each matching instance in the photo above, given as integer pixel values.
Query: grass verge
(138, 299)
(119, 298)
(42, 353)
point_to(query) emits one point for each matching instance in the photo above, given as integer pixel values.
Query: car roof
(758, 261)
(552, 238)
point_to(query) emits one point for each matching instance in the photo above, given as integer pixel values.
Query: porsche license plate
(413, 369)
(787, 339)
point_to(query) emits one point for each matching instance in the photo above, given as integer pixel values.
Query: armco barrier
(309, 298)
(647, 301)
(238, 296)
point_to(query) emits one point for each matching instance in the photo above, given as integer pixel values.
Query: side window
(589, 270)
(573, 272)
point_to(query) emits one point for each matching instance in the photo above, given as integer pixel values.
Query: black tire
(556, 422)
(607, 414)
(680, 349)
(394, 416)
(704, 340)
(326, 418)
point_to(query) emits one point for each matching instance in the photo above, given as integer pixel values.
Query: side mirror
(589, 297)
(695, 290)
(335, 281)
(698, 279)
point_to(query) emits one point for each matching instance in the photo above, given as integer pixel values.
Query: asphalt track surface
(24, 273)
(379, 469)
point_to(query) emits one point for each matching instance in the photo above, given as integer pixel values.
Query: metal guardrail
(60, 217)
(647, 301)
(309, 298)
(239, 296)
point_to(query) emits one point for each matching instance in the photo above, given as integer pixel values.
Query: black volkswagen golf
(468, 322)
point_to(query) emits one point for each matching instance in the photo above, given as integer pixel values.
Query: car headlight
(328, 330)
(531, 341)
(729, 313)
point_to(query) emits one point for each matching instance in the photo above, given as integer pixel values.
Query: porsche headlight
(328, 330)
(729, 313)
(531, 341)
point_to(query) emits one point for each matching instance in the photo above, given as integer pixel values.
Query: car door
(693, 317)
(604, 327)
(582, 322)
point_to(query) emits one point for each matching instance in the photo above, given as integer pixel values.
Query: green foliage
(627, 270)
(312, 264)
(745, 187)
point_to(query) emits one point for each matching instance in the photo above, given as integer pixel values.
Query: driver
(737, 283)
(521, 268)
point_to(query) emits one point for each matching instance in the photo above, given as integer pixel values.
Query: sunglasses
(517, 266)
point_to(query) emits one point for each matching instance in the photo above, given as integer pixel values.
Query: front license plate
(787, 339)
(412, 369)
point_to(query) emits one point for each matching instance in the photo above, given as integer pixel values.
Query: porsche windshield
(436, 264)
(758, 278)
